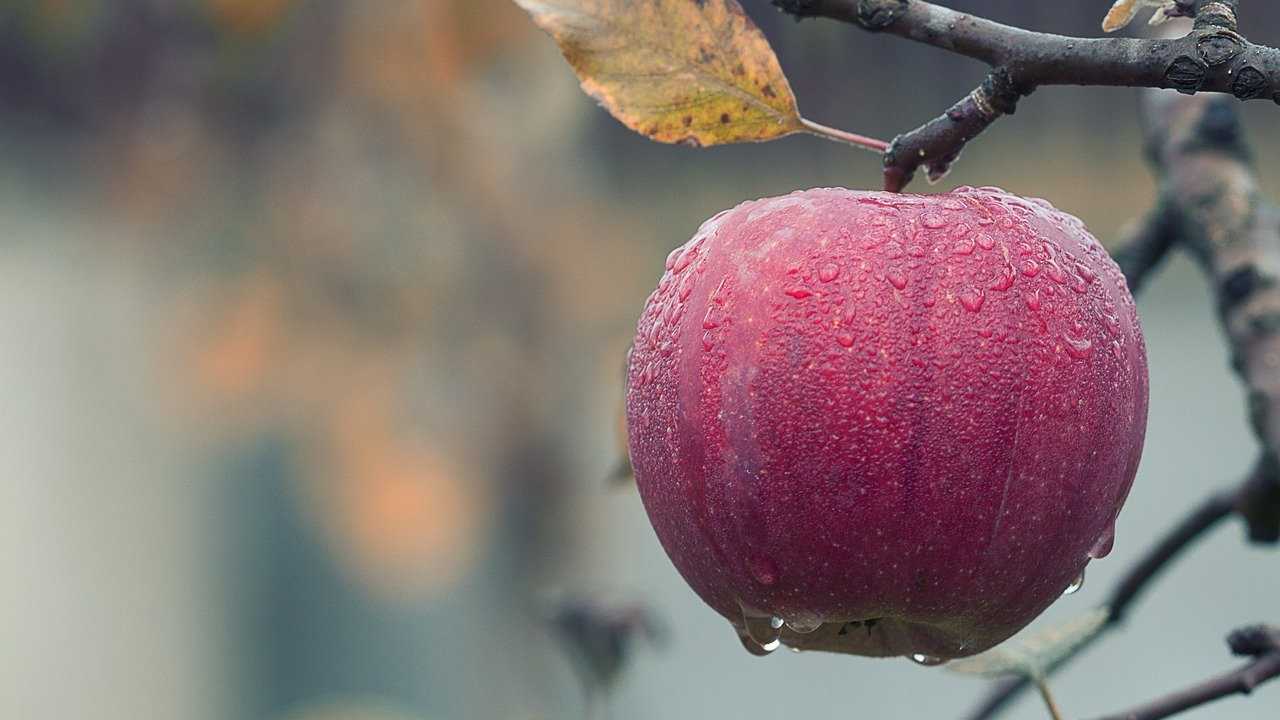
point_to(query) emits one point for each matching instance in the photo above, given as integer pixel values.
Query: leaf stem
(830, 133)
(1042, 684)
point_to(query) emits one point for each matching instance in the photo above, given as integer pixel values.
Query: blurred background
(313, 317)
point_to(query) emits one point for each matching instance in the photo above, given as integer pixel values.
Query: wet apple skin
(919, 411)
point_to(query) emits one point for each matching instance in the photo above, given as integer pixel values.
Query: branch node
(1186, 74)
(1254, 640)
(876, 15)
(1219, 46)
(1259, 501)
(1250, 84)
(800, 9)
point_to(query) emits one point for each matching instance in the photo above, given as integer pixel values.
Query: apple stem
(830, 133)
(1042, 684)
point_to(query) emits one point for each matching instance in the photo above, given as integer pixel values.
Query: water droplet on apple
(926, 660)
(971, 299)
(1078, 348)
(1075, 585)
(751, 645)
(1102, 547)
(804, 622)
(764, 631)
(1004, 280)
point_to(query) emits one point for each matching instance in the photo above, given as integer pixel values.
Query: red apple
(886, 424)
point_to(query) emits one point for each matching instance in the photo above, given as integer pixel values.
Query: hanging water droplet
(1102, 547)
(751, 645)
(764, 631)
(1075, 585)
(926, 660)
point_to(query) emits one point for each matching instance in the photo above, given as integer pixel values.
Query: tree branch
(1260, 642)
(1212, 57)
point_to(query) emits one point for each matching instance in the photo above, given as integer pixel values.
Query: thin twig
(1042, 684)
(1241, 681)
(1213, 57)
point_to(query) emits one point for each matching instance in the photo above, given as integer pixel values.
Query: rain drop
(752, 646)
(933, 221)
(684, 259)
(971, 299)
(671, 257)
(1004, 280)
(1078, 348)
(1075, 585)
(1056, 274)
(1102, 547)
(804, 623)
(926, 660)
(764, 632)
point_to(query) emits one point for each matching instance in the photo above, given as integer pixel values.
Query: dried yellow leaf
(1121, 14)
(1124, 11)
(697, 72)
